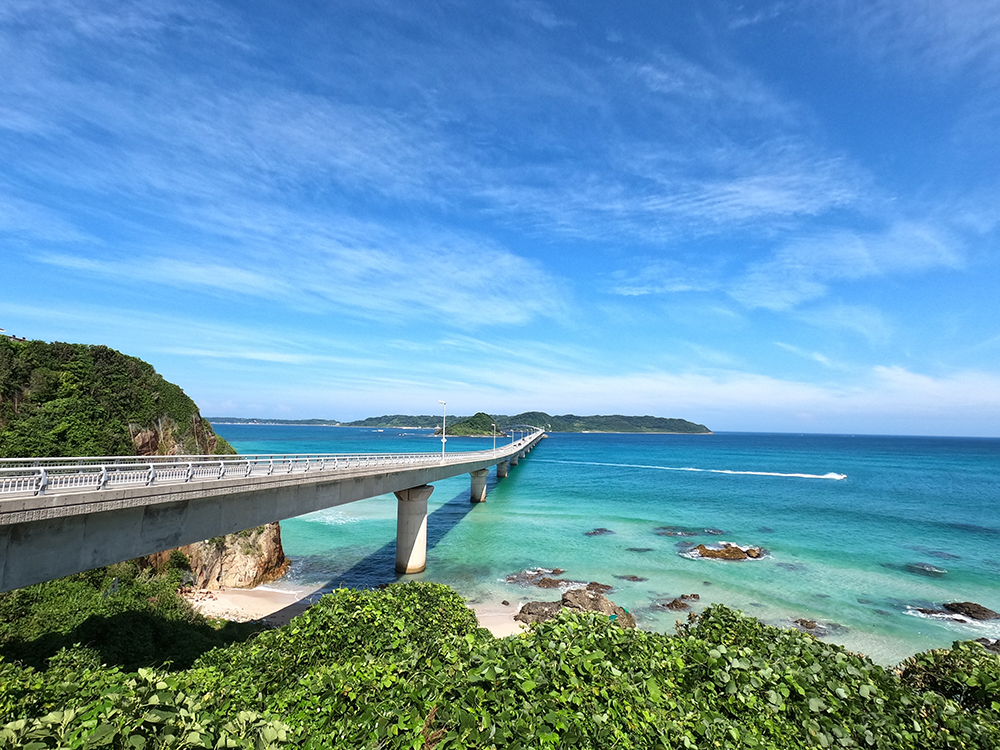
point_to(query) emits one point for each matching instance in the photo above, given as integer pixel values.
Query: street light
(444, 425)
(494, 438)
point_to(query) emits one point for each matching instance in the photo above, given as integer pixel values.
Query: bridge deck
(61, 516)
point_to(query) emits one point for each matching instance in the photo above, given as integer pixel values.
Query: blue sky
(775, 216)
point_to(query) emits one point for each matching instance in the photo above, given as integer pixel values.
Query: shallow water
(859, 529)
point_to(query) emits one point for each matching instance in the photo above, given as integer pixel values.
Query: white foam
(829, 475)
(330, 517)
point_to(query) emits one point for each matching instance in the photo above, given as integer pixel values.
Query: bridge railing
(39, 476)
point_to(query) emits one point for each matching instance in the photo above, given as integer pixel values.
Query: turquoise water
(860, 530)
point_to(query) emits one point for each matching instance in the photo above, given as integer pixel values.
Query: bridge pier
(478, 493)
(514, 459)
(411, 528)
(502, 468)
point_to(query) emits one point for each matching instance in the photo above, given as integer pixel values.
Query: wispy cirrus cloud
(805, 354)
(449, 278)
(802, 270)
(940, 39)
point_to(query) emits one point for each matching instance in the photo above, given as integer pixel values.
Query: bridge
(62, 516)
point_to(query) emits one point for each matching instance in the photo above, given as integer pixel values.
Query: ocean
(861, 531)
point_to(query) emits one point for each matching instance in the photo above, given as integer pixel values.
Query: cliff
(241, 560)
(59, 399)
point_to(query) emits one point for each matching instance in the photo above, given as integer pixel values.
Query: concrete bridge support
(514, 459)
(411, 528)
(502, 468)
(478, 493)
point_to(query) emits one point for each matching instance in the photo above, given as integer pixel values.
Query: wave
(829, 475)
(330, 517)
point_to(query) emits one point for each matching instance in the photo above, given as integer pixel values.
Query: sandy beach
(277, 607)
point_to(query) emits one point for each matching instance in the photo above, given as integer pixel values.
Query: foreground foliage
(122, 615)
(408, 667)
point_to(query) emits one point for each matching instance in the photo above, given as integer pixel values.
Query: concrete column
(514, 459)
(502, 468)
(411, 528)
(478, 494)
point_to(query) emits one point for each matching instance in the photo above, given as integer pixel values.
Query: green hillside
(564, 423)
(398, 420)
(614, 423)
(59, 399)
(478, 425)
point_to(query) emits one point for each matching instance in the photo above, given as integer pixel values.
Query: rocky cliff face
(241, 560)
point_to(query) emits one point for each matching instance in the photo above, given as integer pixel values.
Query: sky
(759, 217)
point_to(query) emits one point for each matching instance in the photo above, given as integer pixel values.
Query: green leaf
(654, 690)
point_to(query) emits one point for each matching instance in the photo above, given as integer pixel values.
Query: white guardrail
(40, 476)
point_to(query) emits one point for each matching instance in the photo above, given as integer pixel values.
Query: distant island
(481, 424)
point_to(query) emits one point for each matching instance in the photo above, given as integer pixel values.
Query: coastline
(277, 607)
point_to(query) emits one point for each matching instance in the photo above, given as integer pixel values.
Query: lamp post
(494, 438)
(444, 425)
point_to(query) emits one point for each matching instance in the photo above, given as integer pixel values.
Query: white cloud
(662, 277)
(467, 283)
(814, 356)
(938, 39)
(863, 320)
(803, 270)
(540, 13)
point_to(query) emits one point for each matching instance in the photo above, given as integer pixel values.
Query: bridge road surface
(64, 516)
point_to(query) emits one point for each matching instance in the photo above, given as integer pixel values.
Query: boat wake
(830, 475)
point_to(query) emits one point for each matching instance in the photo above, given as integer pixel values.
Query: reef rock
(925, 569)
(550, 583)
(990, 644)
(729, 551)
(599, 532)
(971, 610)
(575, 600)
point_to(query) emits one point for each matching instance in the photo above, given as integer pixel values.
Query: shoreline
(277, 607)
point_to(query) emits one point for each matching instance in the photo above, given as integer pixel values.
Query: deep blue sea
(860, 530)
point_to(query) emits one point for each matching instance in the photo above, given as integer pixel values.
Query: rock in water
(581, 600)
(730, 551)
(599, 532)
(971, 610)
(726, 553)
(538, 611)
(924, 569)
(575, 600)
